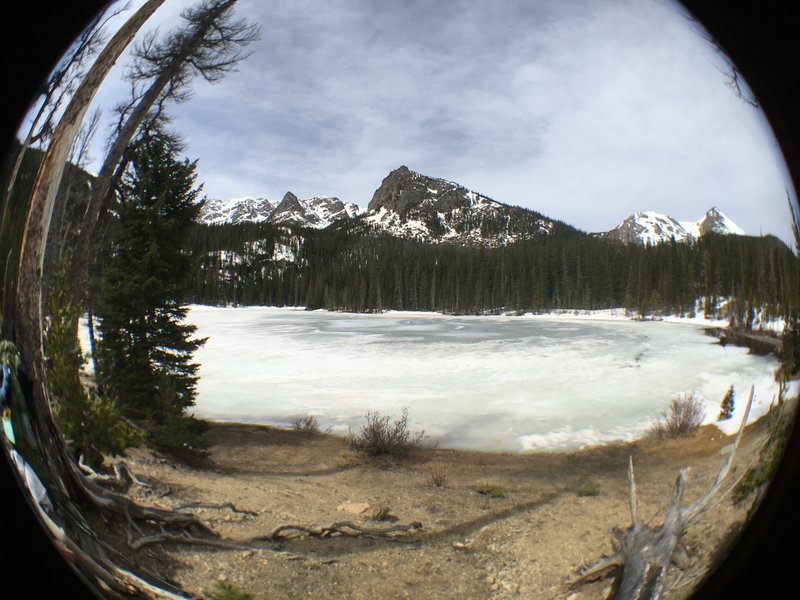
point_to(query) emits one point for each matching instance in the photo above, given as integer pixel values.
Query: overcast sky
(584, 110)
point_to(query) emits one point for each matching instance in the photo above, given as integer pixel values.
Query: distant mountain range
(414, 206)
(317, 212)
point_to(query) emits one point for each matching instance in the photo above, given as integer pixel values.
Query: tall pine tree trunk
(37, 223)
(29, 295)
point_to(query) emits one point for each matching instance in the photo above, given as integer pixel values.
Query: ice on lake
(487, 383)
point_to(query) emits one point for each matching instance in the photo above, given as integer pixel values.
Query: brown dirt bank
(528, 543)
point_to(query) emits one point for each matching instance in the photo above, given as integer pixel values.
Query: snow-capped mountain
(714, 221)
(235, 210)
(411, 205)
(317, 212)
(649, 227)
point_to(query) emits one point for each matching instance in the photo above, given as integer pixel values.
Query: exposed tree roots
(228, 505)
(342, 528)
(144, 526)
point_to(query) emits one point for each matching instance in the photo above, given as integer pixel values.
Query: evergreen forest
(350, 268)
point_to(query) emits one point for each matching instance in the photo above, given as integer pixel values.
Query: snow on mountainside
(235, 210)
(714, 221)
(649, 227)
(317, 212)
(411, 205)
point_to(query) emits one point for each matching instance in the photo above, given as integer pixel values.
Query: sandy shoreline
(529, 541)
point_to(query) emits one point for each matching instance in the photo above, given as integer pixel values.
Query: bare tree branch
(646, 552)
(730, 71)
(208, 44)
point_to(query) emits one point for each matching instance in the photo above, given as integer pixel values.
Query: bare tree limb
(646, 552)
(690, 514)
(209, 44)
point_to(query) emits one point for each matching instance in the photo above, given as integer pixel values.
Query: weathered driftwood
(644, 553)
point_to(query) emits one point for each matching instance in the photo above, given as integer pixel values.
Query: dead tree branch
(209, 45)
(645, 553)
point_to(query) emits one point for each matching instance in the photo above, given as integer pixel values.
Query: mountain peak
(411, 205)
(289, 197)
(650, 227)
(715, 221)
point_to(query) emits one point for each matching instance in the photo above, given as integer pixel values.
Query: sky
(584, 110)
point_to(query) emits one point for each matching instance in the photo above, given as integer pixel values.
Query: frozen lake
(489, 383)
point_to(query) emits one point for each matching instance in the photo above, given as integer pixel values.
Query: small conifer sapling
(726, 406)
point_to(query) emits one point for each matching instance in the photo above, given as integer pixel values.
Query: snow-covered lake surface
(488, 383)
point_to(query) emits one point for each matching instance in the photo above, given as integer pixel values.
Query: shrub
(760, 472)
(178, 434)
(307, 425)
(589, 489)
(726, 406)
(93, 423)
(685, 414)
(493, 491)
(94, 426)
(228, 591)
(383, 513)
(379, 436)
(437, 475)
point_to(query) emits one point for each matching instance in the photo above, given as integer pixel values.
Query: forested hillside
(348, 267)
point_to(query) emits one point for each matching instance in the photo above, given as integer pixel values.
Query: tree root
(122, 479)
(342, 528)
(223, 544)
(228, 505)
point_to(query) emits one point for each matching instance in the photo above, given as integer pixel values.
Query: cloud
(584, 110)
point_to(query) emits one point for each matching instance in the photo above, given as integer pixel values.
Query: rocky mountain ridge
(411, 205)
(317, 212)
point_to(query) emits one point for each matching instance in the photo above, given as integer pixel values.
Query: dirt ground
(529, 542)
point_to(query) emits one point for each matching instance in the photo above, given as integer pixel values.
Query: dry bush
(379, 436)
(685, 414)
(437, 475)
(489, 489)
(588, 489)
(383, 513)
(308, 425)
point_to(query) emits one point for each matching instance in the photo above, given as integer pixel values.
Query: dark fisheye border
(760, 38)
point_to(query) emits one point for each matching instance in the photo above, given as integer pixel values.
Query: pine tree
(91, 422)
(145, 352)
(726, 406)
(789, 353)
